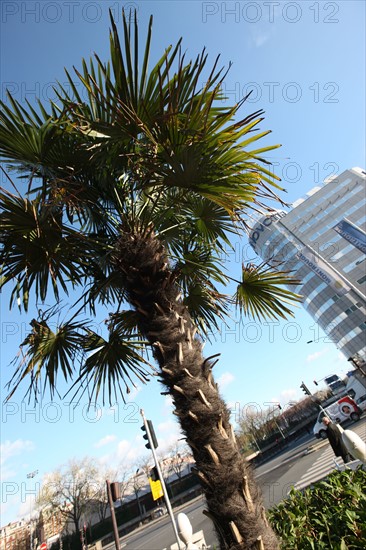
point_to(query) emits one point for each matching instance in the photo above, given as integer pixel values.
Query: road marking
(324, 465)
(321, 468)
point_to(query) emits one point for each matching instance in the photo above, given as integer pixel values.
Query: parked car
(159, 512)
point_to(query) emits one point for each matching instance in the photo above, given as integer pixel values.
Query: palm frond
(125, 323)
(36, 248)
(109, 363)
(206, 306)
(197, 262)
(261, 293)
(47, 353)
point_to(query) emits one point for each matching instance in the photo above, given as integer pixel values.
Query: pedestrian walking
(335, 440)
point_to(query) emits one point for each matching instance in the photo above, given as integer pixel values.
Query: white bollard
(185, 531)
(354, 444)
(193, 541)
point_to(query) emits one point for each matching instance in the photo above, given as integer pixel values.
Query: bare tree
(71, 490)
(178, 455)
(124, 480)
(138, 481)
(145, 464)
(120, 475)
(252, 427)
(101, 503)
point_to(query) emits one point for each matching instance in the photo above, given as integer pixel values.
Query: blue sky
(305, 63)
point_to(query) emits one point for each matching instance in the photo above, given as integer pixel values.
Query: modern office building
(322, 242)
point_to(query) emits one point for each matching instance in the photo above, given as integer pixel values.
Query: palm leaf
(46, 352)
(206, 306)
(261, 295)
(36, 248)
(110, 362)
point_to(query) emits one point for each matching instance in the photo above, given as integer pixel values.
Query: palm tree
(134, 188)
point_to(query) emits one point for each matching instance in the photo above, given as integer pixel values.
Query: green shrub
(330, 515)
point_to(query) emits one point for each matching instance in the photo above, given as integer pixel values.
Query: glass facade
(330, 268)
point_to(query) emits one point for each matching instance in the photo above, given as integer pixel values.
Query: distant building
(47, 528)
(322, 242)
(15, 536)
(51, 525)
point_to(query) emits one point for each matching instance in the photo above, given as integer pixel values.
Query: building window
(350, 310)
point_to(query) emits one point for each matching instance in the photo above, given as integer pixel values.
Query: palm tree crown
(132, 197)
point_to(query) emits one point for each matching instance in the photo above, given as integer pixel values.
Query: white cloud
(168, 434)
(105, 440)
(28, 507)
(124, 452)
(8, 449)
(225, 379)
(285, 398)
(134, 392)
(288, 395)
(316, 355)
(169, 426)
(168, 404)
(128, 451)
(14, 491)
(260, 38)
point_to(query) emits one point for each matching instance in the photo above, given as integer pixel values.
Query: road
(297, 467)
(160, 534)
(302, 463)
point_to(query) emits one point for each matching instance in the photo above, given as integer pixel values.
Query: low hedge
(329, 515)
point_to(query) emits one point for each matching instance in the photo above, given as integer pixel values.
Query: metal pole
(136, 489)
(279, 429)
(31, 476)
(255, 441)
(113, 515)
(166, 497)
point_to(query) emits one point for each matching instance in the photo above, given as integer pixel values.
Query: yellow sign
(156, 489)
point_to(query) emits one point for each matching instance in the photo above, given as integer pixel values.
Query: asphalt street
(275, 477)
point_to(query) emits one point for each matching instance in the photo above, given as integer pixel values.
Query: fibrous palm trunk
(233, 502)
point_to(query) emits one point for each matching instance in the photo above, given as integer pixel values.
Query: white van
(340, 411)
(355, 388)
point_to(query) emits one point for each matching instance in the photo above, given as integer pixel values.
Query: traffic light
(315, 382)
(305, 389)
(115, 491)
(154, 474)
(150, 427)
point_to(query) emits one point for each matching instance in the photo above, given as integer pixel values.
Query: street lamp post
(278, 406)
(255, 441)
(137, 489)
(31, 475)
